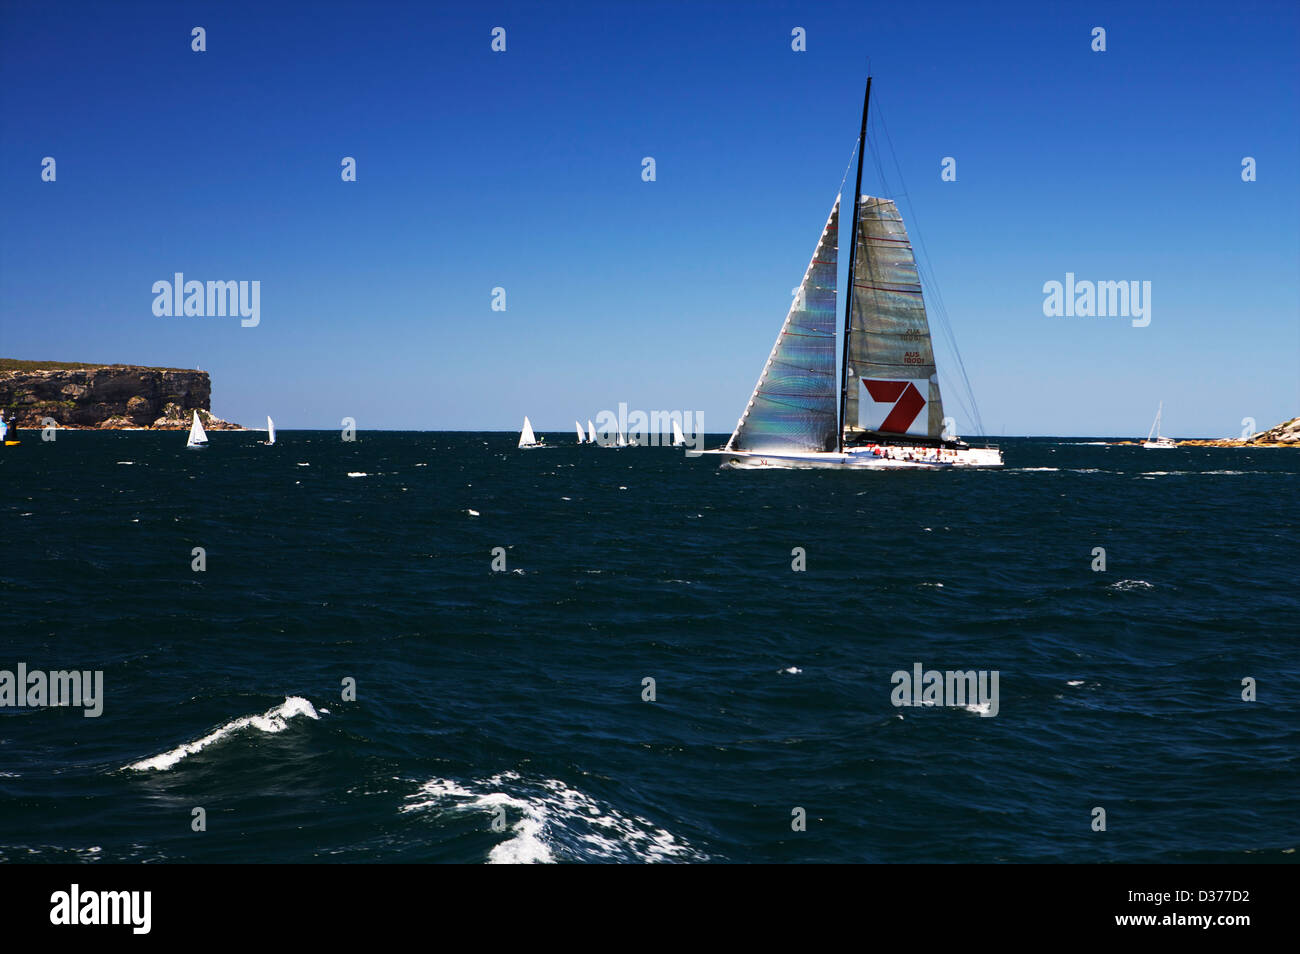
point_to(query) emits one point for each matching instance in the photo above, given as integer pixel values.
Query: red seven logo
(908, 403)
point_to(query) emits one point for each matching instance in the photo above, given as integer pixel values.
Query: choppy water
(517, 695)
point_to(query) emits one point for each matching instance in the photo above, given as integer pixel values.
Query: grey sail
(794, 404)
(891, 385)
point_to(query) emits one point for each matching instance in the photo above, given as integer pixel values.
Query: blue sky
(522, 170)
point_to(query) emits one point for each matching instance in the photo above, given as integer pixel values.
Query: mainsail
(891, 385)
(591, 432)
(581, 436)
(270, 430)
(793, 406)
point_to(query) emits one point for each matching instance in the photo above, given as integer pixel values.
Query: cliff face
(108, 397)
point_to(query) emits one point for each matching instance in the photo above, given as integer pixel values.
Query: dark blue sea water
(517, 695)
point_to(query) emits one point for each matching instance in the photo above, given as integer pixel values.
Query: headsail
(591, 432)
(198, 436)
(793, 406)
(679, 439)
(270, 430)
(891, 384)
(581, 436)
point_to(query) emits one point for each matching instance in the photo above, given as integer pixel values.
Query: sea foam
(553, 818)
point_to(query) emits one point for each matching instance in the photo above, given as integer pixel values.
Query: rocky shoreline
(1286, 434)
(106, 397)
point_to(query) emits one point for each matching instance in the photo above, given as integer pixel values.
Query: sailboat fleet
(198, 437)
(887, 412)
(528, 437)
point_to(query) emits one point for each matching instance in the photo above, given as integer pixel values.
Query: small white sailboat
(526, 437)
(270, 431)
(679, 439)
(591, 432)
(582, 437)
(1154, 441)
(198, 437)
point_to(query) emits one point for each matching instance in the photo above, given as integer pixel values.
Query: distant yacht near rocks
(1154, 439)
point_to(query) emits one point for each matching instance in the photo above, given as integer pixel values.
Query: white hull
(890, 458)
(1161, 443)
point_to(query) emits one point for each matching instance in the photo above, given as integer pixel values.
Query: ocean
(349, 678)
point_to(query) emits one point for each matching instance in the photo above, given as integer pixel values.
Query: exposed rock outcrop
(1284, 435)
(107, 397)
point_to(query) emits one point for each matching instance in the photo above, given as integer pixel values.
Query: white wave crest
(553, 819)
(1132, 585)
(273, 720)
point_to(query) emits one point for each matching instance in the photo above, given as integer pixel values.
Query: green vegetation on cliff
(17, 364)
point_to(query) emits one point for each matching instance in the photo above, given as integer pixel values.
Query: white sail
(679, 439)
(582, 438)
(198, 437)
(591, 432)
(1154, 440)
(526, 437)
(1155, 425)
(270, 430)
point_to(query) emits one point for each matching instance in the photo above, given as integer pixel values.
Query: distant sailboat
(270, 430)
(887, 412)
(1154, 441)
(591, 432)
(582, 438)
(526, 437)
(679, 439)
(198, 437)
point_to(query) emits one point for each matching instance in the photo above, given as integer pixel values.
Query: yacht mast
(853, 264)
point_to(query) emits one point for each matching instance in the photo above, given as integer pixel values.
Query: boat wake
(551, 822)
(273, 720)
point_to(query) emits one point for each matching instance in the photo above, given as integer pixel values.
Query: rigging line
(962, 395)
(845, 178)
(942, 310)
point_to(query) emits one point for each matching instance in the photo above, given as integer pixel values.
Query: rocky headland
(105, 397)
